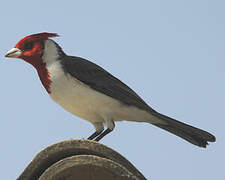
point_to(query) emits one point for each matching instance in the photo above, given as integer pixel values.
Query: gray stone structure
(80, 160)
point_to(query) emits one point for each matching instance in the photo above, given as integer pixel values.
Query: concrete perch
(81, 160)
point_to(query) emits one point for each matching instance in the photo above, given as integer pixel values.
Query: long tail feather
(189, 133)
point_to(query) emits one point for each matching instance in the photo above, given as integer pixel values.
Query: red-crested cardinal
(90, 92)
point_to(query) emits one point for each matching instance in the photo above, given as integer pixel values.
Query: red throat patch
(44, 76)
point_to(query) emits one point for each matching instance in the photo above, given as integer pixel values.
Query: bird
(90, 92)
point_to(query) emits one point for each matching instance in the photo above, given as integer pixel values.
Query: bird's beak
(14, 53)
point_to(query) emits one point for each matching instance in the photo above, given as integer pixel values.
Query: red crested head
(30, 49)
(34, 38)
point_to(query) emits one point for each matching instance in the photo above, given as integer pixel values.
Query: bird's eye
(28, 45)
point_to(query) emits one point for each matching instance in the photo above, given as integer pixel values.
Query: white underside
(79, 99)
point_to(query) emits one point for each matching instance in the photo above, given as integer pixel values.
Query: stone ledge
(80, 159)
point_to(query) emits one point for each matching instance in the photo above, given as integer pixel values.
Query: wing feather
(100, 80)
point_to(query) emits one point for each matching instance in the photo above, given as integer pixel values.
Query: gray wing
(102, 81)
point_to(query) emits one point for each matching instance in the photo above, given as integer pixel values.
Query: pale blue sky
(172, 53)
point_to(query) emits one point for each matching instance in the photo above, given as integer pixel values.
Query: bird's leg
(99, 128)
(107, 131)
(96, 133)
(111, 125)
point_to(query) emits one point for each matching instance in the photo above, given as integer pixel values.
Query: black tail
(189, 133)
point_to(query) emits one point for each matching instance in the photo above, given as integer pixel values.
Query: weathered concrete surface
(81, 160)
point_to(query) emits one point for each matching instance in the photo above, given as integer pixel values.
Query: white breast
(81, 100)
(78, 98)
